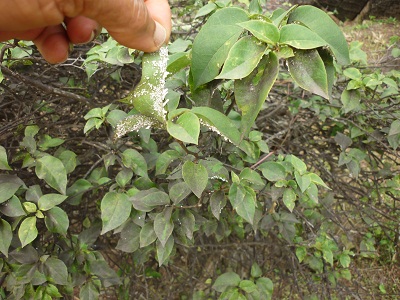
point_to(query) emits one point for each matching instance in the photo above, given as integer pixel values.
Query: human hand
(55, 24)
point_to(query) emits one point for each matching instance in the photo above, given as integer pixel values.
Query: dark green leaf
(323, 25)
(52, 170)
(135, 161)
(57, 221)
(104, 272)
(229, 279)
(308, 71)
(115, 210)
(76, 191)
(217, 203)
(300, 37)
(56, 271)
(213, 42)
(48, 201)
(124, 177)
(5, 236)
(351, 100)
(163, 225)
(129, 238)
(147, 235)
(9, 185)
(147, 200)
(188, 223)
(164, 251)
(196, 177)
(252, 91)
(12, 208)
(242, 59)
(266, 286)
(243, 200)
(27, 231)
(394, 134)
(165, 159)
(179, 192)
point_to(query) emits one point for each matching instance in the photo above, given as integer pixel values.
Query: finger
(21, 35)
(53, 44)
(81, 30)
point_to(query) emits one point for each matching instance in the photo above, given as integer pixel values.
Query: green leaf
(262, 30)
(13, 208)
(135, 161)
(273, 171)
(57, 221)
(303, 181)
(48, 201)
(68, 158)
(312, 192)
(52, 170)
(205, 10)
(394, 134)
(323, 25)
(289, 199)
(27, 231)
(165, 159)
(219, 123)
(3, 159)
(266, 286)
(188, 223)
(147, 235)
(5, 236)
(351, 100)
(147, 200)
(327, 255)
(217, 203)
(242, 59)
(164, 251)
(186, 128)
(89, 291)
(317, 180)
(9, 185)
(344, 260)
(252, 91)
(129, 238)
(229, 279)
(297, 163)
(308, 70)
(56, 271)
(300, 37)
(212, 44)
(76, 191)
(243, 200)
(163, 225)
(196, 177)
(301, 253)
(255, 270)
(115, 210)
(179, 192)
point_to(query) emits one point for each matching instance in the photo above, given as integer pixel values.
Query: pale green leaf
(179, 192)
(164, 251)
(135, 161)
(273, 171)
(3, 158)
(262, 30)
(242, 59)
(48, 201)
(351, 100)
(5, 236)
(89, 291)
(186, 128)
(163, 225)
(27, 231)
(300, 37)
(147, 235)
(289, 199)
(229, 279)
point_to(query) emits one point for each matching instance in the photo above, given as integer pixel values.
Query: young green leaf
(186, 128)
(27, 231)
(52, 170)
(5, 236)
(262, 30)
(300, 37)
(213, 42)
(323, 25)
(196, 177)
(252, 91)
(308, 71)
(163, 225)
(242, 59)
(115, 210)
(289, 198)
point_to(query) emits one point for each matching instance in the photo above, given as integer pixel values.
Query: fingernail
(160, 35)
(91, 38)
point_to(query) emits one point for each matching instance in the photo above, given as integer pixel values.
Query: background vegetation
(175, 234)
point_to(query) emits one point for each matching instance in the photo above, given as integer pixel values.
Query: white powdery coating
(133, 123)
(215, 129)
(158, 91)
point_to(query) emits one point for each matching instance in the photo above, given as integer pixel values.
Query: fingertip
(54, 45)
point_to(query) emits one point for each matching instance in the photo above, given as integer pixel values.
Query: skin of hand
(53, 25)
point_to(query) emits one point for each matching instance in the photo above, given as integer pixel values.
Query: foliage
(183, 161)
